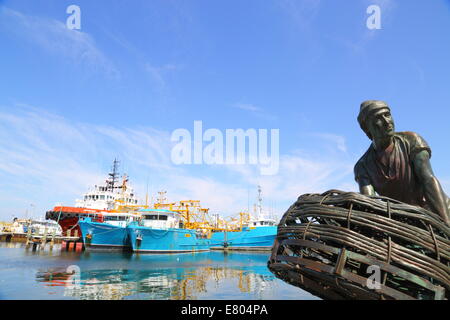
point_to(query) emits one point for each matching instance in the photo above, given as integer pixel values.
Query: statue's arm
(366, 188)
(434, 194)
(361, 177)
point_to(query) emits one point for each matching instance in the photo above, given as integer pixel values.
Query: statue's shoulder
(409, 135)
(414, 141)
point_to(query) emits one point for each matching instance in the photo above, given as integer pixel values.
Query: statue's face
(381, 124)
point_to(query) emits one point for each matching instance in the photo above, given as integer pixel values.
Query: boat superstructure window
(155, 217)
(116, 218)
(120, 220)
(263, 223)
(159, 219)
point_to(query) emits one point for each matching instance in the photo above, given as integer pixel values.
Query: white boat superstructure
(260, 220)
(111, 195)
(119, 219)
(19, 225)
(42, 227)
(39, 227)
(159, 219)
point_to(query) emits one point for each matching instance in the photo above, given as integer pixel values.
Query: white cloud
(358, 43)
(338, 141)
(299, 174)
(54, 36)
(248, 107)
(303, 12)
(158, 74)
(255, 110)
(47, 158)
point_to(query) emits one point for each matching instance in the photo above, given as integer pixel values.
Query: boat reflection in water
(208, 275)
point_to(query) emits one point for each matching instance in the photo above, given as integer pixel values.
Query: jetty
(71, 241)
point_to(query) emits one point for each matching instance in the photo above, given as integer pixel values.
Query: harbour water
(43, 275)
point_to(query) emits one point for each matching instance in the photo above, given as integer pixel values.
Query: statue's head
(376, 120)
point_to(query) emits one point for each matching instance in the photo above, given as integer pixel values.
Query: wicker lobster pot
(342, 245)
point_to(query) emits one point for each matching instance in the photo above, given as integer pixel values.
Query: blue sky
(71, 101)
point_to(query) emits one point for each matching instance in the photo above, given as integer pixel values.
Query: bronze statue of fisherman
(397, 164)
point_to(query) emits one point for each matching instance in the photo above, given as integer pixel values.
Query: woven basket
(344, 245)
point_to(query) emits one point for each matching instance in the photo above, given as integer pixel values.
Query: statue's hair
(365, 112)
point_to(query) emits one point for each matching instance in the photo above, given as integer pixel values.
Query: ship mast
(113, 177)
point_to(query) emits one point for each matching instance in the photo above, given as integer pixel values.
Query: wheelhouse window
(155, 217)
(115, 218)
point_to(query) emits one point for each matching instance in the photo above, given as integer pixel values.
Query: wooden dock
(70, 241)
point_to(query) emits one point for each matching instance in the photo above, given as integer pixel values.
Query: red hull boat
(68, 217)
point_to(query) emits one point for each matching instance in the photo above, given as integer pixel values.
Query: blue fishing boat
(163, 231)
(108, 234)
(256, 234)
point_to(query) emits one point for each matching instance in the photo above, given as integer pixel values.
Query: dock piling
(27, 244)
(52, 242)
(79, 247)
(43, 240)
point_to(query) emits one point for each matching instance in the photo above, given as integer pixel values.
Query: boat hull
(173, 240)
(102, 236)
(254, 239)
(69, 217)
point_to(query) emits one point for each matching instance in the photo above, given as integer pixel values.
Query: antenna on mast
(248, 200)
(113, 176)
(259, 202)
(162, 197)
(146, 195)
